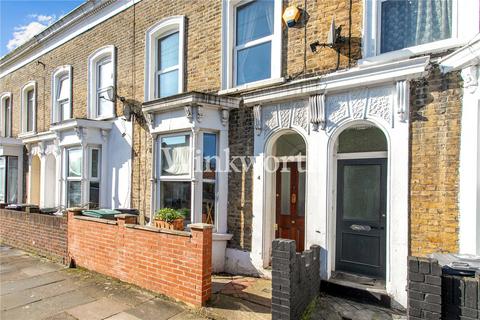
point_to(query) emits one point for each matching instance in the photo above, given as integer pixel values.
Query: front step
(360, 292)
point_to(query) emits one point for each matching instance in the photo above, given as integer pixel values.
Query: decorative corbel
(316, 108)
(402, 94)
(470, 78)
(200, 113)
(104, 134)
(41, 148)
(79, 131)
(149, 118)
(257, 118)
(224, 116)
(188, 112)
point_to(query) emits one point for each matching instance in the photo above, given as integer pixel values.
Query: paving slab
(123, 316)
(61, 316)
(155, 309)
(98, 309)
(26, 283)
(232, 308)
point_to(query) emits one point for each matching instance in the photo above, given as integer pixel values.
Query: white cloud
(25, 32)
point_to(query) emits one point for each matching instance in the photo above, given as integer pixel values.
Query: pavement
(34, 288)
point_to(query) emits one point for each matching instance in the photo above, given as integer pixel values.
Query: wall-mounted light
(334, 39)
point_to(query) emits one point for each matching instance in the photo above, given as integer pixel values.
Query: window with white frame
(175, 173)
(74, 177)
(209, 185)
(409, 27)
(62, 94)
(94, 178)
(252, 41)
(101, 83)
(6, 115)
(8, 179)
(164, 53)
(29, 108)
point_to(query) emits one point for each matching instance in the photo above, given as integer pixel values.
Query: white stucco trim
(57, 75)
(3, 97)
(155, 32)
(23, 118)
(14, 147)
(93, 60)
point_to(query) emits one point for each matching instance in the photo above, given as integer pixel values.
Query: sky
(20, 20)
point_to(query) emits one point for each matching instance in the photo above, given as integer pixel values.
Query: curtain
(12, 180)
(407, 23)
(254, 21)
(176, 160)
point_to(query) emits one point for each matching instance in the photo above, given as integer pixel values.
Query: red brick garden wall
(177, 264)
(42, 234)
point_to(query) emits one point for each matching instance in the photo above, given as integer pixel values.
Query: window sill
(252, 86)
(26, 134)
(109, 117)
(428, 48)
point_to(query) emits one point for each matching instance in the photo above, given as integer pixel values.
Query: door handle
(360, 227)
(294, 198)
(293, 221)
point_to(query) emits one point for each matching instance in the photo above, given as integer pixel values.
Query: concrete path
(33, 288)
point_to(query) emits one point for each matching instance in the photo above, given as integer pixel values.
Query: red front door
(290, 202)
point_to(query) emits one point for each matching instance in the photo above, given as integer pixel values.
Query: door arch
(285, 166)
(360, 209)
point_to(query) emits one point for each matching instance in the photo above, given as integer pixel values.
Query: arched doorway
(361, 201)
(35, 180)
(50, 181)
(288, 183)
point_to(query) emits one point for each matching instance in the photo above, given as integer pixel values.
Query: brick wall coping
(158, 230)
(200, 226)
(99, 220)
(125, 215)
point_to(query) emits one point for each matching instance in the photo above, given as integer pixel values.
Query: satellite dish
(127, 112)
(331, 38)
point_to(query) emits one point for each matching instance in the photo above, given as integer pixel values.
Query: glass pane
(208, 203)
(168, 51)
(414, 22)
(301, 194)
(254, 63)
(7, 117)
(361, 192)
(254, 21)
(175, 152)
(74, 193)
(95, 163)
(290, 144)
(105, 74)
(168, 83)
(63, 88)
(365, 139)
(94, 201)
(2, 178)
(75, 162)
(209, 155)
(12, 179)
(65, 111)
(285, 191)
(105, 107)
(176, 195)
(30, 110)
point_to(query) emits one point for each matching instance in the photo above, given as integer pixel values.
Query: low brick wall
(433, 295)
(41, 234)
(177, 264)
(295, 278)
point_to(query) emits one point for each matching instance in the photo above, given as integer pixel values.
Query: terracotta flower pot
(176, 224)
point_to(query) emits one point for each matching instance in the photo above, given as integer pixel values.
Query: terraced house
(360, 135)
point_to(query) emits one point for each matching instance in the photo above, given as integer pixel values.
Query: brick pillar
(283, 258)
(424, 289)
(126, 218)
(202, 238)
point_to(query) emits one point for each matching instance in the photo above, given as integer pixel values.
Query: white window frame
(5, 128)
(159, 30)
(75, 179)
(229, 48)
(59, 74)
(99, 173)
(465, 18)
(214, 181)
(100, 55)
(32, 85)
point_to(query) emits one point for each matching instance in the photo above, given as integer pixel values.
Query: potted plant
(168, 218)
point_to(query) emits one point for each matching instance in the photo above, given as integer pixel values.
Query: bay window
(61, 94)
(209, 192)
(74, 177)
(8, 179)
(252, 41)
(101, 83)
(94, 182)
